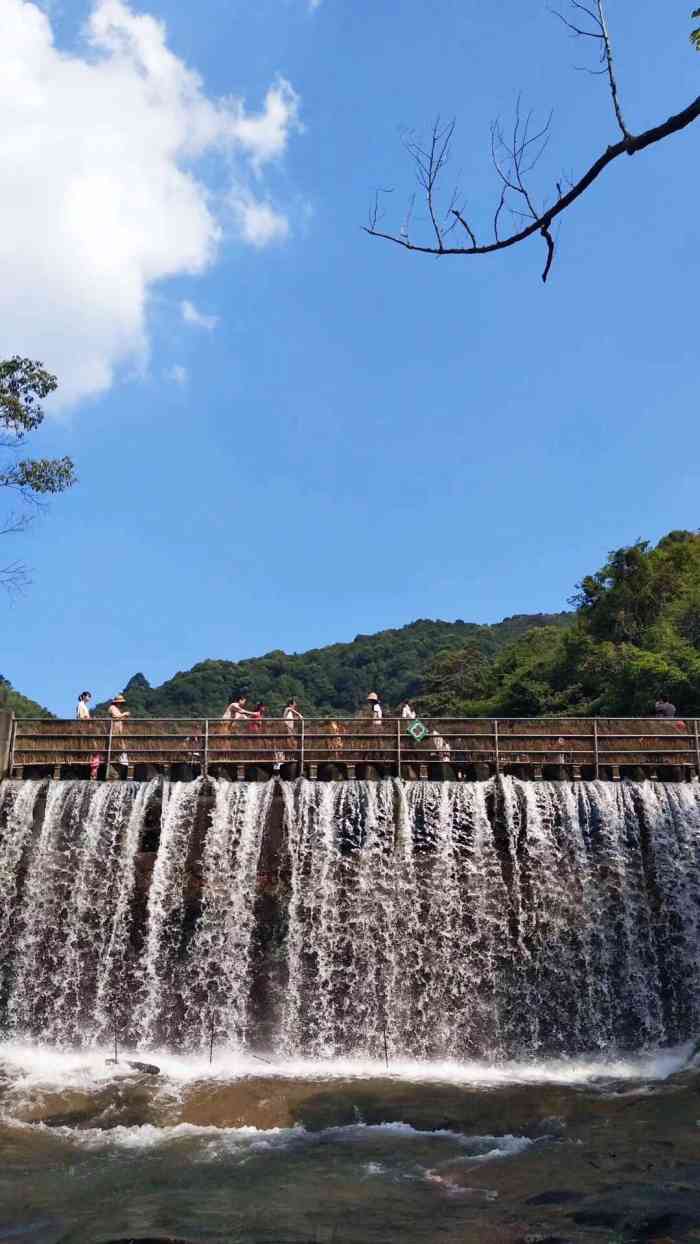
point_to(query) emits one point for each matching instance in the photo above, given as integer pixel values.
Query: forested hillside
(328, 681)
(19, 704)
(635, 638)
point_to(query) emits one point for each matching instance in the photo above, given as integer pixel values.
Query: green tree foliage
(12, 701)
(24, 385)
(635, 638)
(695, 34)
(332, 681)
(456, 677)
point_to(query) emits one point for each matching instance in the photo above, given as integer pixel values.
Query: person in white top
(236, 710)
(82, 712)
(442, 747)
(291, 715)
(408, 713)
(375, 707)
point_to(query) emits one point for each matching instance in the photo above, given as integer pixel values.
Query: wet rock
(642, 1214)
(123, 1103)
(554, 1196)
(147, 1069)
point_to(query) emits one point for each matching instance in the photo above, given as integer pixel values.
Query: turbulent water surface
(380, 1010)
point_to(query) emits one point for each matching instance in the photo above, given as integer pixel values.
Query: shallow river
(244, 1150)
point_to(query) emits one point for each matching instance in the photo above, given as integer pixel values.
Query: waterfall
(216, 987)
(428, 920)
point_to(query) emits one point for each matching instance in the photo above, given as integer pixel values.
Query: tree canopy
(332, 681)
(24, 385)
(20, 705)
(634, 639)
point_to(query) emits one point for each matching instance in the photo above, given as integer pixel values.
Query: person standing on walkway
(291, 716)
(375, 707)
(408, 713)
(119, 716)
(664, 708)
(82, 711)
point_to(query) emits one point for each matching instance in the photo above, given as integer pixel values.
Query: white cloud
(101, 194)
(258, 221)
(178, 374)
(191, 315)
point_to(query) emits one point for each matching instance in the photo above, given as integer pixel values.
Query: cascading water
(216, 986)
(426, 919)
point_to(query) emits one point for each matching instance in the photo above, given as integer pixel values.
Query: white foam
(46, 1066)
(231, 1140)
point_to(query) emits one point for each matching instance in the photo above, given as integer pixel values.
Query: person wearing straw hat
(118, 715)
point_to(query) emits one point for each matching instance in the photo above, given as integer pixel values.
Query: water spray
(212, 1032)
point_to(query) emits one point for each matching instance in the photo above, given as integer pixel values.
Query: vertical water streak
(157, 1015)
(451, 914)
(17, 803)
(115, 972)
(627, 959)
(216, 987)
(307, 1022)
(38, 968)
(671, 814)
(85, 923)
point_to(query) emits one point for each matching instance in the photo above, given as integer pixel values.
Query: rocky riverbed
(563, 1151)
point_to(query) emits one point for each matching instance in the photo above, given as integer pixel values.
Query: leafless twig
(602, 34)
(515, 158)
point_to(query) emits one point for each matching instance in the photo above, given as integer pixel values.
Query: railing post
(109, 749)
(495, 744)
(301, 750)
(697, 745)
(398, 747)
(13, 744)
(7, 719)
(595, 748)
(205, 759)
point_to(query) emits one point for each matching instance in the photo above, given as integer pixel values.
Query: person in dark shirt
(664, 708)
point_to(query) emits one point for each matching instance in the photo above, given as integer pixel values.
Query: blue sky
(363, 437)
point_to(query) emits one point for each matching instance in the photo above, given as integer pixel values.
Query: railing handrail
(51, 721)
(108, 745)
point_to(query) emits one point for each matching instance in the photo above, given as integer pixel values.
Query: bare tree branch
(602, 34)
(607, 46)
(631, 146)
(429, 165)
(514, 159)
(14, 578)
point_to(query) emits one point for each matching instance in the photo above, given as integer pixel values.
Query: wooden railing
(589, 747)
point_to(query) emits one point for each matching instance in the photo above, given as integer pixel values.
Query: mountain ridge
(333, 680)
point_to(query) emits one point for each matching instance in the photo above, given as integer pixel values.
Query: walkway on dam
(338, 749)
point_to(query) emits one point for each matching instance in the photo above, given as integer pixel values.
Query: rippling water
(410, 951)
(340, 1151)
